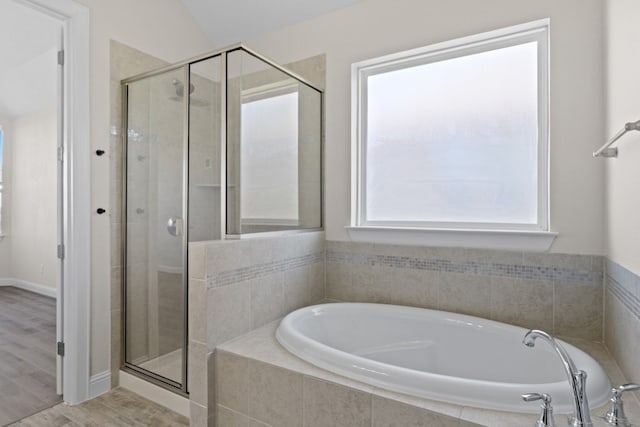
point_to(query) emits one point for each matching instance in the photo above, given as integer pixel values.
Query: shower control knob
(100, 211)
(99, 152)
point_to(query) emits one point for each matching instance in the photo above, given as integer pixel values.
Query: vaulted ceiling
(28, 42)
(230, 21)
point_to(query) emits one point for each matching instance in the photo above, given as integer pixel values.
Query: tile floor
(117, 408)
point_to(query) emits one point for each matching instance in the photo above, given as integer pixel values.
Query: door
(155, 228)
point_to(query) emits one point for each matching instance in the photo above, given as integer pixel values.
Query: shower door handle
(175, 226)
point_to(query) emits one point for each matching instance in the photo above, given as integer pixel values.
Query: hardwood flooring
(27, 353)
(119, 407)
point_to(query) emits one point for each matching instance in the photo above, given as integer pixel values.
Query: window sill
(508, 240)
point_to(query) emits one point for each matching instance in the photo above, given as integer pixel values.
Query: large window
(1, 180)
(454, 136)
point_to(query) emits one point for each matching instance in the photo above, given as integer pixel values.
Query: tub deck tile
(261, 345)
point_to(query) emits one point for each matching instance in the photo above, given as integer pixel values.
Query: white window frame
(537, 237)
(2, 187)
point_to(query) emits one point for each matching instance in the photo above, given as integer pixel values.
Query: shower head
(179, 86)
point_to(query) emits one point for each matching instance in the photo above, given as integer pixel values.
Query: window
(269, 157)
(454, 136)
(1, 181)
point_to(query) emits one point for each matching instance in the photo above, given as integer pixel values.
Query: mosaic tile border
(226, 278)
(622, 283)
(516, 271)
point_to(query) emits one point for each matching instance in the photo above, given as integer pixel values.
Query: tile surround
(259, 271)
(625, 285)
(238, 286)
(559, 293)
(577, 269)
(315, 397)
(251, 281)
(622, 318)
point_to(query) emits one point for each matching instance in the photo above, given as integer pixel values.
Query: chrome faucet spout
(577, 378)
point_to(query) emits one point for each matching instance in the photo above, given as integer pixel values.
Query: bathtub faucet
(577, 378)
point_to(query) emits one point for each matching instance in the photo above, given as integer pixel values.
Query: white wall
(5, 243)
(623, 177)
(377, 27)
(164, 29)
(33, 205)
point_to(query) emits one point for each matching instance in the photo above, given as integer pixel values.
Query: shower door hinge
(60, 347)
(60, 153)
(61, 251)
(61, 57)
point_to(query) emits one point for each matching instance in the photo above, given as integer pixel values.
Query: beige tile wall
(237, 286)
(559, 293)
(622, 318)
(253, 393)
(257, 359)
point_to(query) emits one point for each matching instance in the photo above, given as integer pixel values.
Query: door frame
(74, 293)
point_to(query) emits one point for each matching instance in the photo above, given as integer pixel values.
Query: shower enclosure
(222, 146)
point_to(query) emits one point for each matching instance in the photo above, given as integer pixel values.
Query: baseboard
(154, 393)
(99, 384)
(29, 286)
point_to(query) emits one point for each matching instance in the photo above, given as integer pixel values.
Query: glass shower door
(155, 228)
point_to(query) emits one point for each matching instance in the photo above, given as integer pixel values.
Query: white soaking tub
(437, 355)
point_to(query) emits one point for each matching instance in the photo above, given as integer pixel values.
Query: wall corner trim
(99, 384)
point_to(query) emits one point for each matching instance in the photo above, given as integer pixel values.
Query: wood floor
(119, 407)
(27, 354)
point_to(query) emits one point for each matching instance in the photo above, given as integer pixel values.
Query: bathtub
(436, 355)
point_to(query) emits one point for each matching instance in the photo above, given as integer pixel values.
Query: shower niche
(224, 146)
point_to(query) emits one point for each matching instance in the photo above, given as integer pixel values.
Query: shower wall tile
(246, 284)
(228, 313)
(297, 292)
(116, 345)
(197, 311)
(255, 281)
(198, 415)
(267, 299)
(622, 318)
(116, 282)
(198, 373)
(197, 265)
(560, 293)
